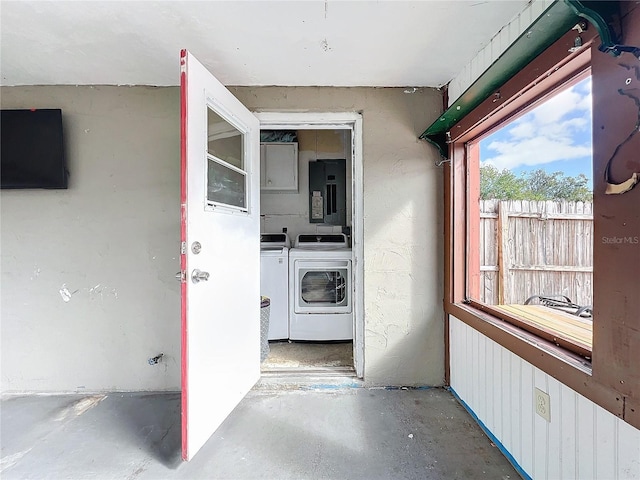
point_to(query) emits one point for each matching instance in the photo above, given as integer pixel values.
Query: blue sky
(555, 137)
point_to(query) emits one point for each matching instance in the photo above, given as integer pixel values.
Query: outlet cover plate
(542, 404)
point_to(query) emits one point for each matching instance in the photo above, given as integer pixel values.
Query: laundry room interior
(305, 224)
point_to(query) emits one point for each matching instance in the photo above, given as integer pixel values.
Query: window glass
(225, 186)
(225, 142)
(544, 154)
(534, 217)
(226, 174)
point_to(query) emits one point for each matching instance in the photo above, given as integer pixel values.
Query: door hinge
(181, 276)
(183, 248)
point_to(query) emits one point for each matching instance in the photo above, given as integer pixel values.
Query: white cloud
(523, 129)
(556, 130)
(534, 151)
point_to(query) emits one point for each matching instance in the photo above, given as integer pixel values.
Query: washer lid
(321, 240)
(268, 240)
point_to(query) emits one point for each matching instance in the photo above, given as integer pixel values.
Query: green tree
(500, 185)
(535, 185)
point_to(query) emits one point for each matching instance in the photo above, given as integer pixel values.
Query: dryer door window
(328, 287)
(323, 287)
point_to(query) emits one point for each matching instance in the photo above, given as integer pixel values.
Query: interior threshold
(318, 371)
(308, 379)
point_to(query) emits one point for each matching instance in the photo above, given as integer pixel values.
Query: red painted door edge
(183, 253)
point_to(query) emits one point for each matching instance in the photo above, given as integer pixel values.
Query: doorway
(293, 202)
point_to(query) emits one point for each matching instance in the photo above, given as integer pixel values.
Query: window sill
(562, 329)
(517, 340)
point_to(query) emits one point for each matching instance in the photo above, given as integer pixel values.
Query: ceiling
(268, 42)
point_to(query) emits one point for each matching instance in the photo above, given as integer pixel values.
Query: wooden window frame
(578, 71)
(541, 78)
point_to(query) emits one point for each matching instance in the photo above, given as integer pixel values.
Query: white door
(220, 261)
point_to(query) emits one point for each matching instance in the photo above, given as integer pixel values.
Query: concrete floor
(321, 433)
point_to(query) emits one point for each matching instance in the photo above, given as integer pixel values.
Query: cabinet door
(279, 167)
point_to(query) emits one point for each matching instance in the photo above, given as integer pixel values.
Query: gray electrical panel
(328, 192)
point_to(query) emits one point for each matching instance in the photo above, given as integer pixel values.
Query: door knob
(199, 276)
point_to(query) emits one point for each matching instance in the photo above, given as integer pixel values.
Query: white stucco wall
(404, 339)
(113, 239)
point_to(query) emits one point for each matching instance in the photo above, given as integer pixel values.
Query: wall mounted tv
(32, 149)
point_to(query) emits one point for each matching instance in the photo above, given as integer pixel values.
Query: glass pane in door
(224, 141)
(226, 173)
(225, 185)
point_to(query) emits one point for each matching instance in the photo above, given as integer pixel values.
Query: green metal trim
(595, 18)
(438, 140)
(556, 20)
(604, 16)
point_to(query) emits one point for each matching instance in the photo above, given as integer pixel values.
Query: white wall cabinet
(279, 167)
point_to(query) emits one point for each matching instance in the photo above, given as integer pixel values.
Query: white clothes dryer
(320, 292)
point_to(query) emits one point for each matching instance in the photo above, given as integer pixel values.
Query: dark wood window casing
(612, 378)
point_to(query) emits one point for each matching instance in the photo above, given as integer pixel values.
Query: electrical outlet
(542, 404)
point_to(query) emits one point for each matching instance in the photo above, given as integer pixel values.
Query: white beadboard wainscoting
(582, 441)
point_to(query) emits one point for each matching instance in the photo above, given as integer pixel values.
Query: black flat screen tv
(32, 149)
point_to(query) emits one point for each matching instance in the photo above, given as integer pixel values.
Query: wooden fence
(535, 248)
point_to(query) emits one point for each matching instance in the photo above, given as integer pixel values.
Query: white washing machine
(320, 290)
(274, 281)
